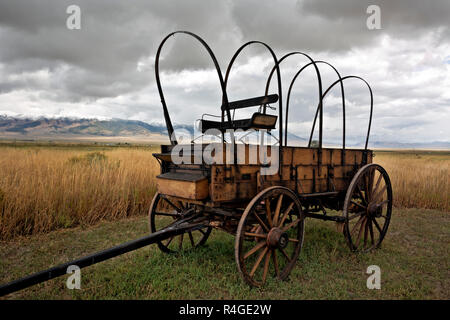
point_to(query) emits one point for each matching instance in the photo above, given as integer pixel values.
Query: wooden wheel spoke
(377, 225)
(258, 261)
(182, 205)
(358, 204)
(169, 241)
(275, 262)
(285, 254)
(371, 231)
(261, 223)
(180, 245)
(361, 196)
(379, 194)
(356, 225)
(377, 184)
(256, 235)
(266, 266)
(272, 213)
(268, 212)
(172, 205)
(277, 210)
(167, 214)
(292, 224)
(192, 239)
(369, 194)
(358, 238)
(366, 229)
(366, 188)
(254, 249)
(370, 185)
(286, 213)
(382, 203)
(356, 215)
(176, 210)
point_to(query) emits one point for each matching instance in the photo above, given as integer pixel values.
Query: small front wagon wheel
(367, 208)
(269, 236)
(164, 211)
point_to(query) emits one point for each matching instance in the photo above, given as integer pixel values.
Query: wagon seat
(258, 120)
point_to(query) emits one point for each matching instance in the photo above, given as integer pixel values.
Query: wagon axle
(277, 238)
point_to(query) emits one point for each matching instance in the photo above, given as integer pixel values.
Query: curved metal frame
(224, 82)
(276, 66)
(321, 101)
(371, 105)
(319, 80)
(170, 130)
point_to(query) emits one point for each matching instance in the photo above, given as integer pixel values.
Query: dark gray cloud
(106, 68)
(400, 17)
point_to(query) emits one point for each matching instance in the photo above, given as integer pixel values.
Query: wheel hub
(374, 209)
(277, 238)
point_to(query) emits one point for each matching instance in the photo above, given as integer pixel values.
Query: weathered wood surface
(304, 170)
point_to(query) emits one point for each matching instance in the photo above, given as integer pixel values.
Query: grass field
(414, 264)
(62, 201)
(420, 179)
(44, 188)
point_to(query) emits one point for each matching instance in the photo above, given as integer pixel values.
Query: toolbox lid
(182, 176)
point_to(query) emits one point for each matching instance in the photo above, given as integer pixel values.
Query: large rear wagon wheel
(164, 211)
(367, 208)
(269, 237)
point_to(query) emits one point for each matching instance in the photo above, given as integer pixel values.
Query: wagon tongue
(187, 224)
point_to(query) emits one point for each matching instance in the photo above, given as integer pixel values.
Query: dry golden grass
(420, 179)
(45, 188)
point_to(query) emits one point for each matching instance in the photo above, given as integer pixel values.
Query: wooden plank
(304, 156)
(223, 192)
(272, 98)
(194, 190)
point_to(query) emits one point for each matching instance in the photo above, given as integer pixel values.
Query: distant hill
(94, 127)
(72, 128)
(67, 128)
(25, 128)
(417, 145)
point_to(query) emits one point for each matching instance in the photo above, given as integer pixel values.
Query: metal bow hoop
(319, 82)
(371, 105)
(276, 66)
(173, 139)
(320, 102)
(223, 84)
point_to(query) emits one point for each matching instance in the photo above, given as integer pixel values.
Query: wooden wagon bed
(305, 170)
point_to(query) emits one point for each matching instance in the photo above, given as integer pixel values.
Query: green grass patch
(414, 264)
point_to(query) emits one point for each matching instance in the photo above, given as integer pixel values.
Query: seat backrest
(252, 102)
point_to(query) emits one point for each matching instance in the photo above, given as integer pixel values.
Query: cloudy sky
(106, 69)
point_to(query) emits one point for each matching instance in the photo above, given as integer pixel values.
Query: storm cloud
(106, 69)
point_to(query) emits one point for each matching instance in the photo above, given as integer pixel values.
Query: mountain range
(42, 128)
